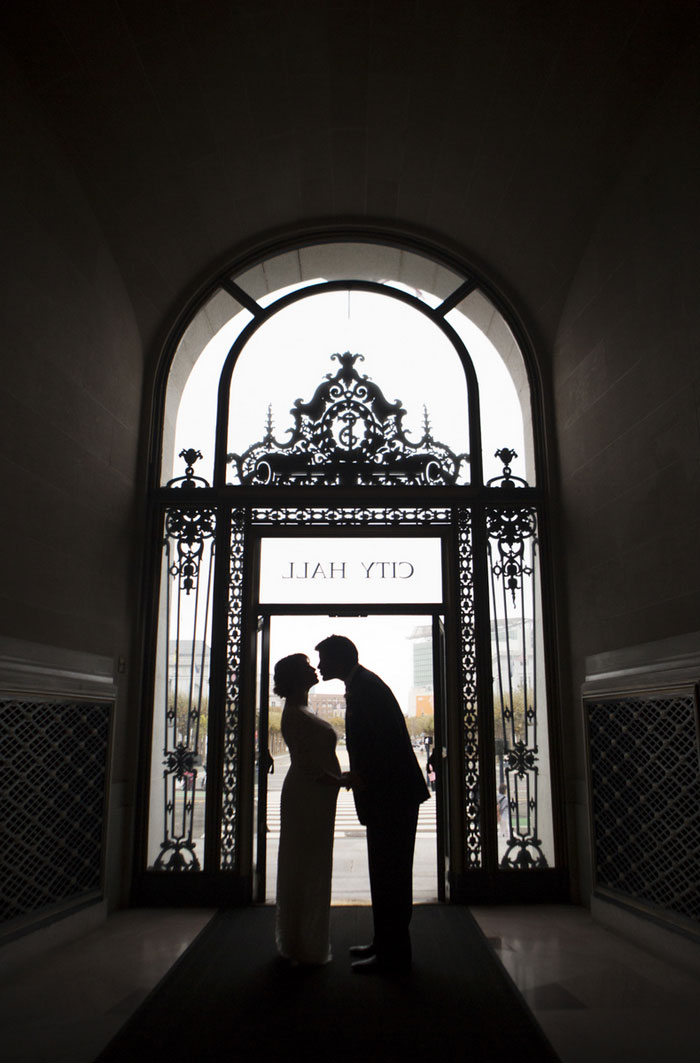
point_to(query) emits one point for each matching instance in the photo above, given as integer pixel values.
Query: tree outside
(502, 714)
(420, 725)
(182, 713)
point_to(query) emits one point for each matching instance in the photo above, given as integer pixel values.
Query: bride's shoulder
(297, 713)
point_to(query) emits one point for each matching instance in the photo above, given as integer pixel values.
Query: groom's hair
(341, 649)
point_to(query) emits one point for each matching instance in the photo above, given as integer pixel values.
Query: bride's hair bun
(286, 674)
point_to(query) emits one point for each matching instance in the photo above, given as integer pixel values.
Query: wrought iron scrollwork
(510, 529)
(189, 528)
(350, 516)
(348, 434)
(177, 849)
(177, 854)
(189, 549)
(229, 806)
(512, 543)
(470, 711)
(180, 761)
(524, 847)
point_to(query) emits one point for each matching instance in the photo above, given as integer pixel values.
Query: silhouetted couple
(388, 787)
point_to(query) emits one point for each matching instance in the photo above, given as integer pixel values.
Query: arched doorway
(400, 645)
(358, 463)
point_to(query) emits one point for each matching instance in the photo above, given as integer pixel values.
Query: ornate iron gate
(346, 442)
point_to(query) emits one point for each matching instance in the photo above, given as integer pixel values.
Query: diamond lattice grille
(646, 800)
(53, 784)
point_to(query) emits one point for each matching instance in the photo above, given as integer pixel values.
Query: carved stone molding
(52, 672)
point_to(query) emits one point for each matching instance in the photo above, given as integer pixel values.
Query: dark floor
(596, 996)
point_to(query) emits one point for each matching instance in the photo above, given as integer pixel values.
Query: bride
(309, 796)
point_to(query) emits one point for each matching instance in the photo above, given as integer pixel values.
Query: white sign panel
(378, 571)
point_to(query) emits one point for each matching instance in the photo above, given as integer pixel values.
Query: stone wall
(627, 397)
(70, 398)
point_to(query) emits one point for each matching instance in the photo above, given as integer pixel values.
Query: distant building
(512, 645)
(324, 705)
(188, 668)
(327, 705)
(425, 705)
(421, 695)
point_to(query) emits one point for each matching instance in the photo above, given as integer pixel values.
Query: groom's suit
(387, 803)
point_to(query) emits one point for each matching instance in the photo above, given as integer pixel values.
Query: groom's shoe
(373, 965)
(369, 965)
(362, 952)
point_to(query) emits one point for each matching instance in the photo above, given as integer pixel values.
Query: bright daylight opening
(399, 649)
(405, 413)
(404, 353)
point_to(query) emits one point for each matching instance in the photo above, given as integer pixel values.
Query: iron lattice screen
(53, 781)
(645, 773)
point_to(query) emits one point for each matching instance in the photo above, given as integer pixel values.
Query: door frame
(435, 614)
(250, 679)
(259, 864)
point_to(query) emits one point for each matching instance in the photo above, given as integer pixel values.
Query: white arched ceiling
(222, 315)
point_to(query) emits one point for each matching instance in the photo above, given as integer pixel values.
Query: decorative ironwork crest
(521, 759)
(179, 761)
(506, 455)
(189, 528)
(190, 481)
(511, 529)
(177, 855)
(349, 434)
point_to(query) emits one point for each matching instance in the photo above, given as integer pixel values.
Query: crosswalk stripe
(346, 821)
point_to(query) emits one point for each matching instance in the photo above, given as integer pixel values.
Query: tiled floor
(66, 1006)
(598, 998)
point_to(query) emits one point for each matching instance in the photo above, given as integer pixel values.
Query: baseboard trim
(20, 945)
(677, 942)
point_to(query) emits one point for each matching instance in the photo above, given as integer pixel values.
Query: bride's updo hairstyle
(286, 674)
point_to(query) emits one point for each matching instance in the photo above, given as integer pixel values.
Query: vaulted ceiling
(195, 127)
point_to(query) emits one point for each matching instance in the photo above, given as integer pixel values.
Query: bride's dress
(305, 860)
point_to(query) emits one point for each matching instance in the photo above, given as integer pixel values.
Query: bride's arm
(327, 778)
(307, 759)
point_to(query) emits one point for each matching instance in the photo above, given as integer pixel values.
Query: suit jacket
(380, 749)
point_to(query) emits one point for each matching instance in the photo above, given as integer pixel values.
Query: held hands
(349, 779)
(327, 778)
(352, 781)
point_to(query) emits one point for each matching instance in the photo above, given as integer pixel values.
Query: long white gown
(305, 859)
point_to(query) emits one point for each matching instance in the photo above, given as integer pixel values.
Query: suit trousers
(391, 838)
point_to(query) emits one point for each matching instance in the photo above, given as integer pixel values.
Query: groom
(388, 787)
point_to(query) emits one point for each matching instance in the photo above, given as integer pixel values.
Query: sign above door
(370, 570)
